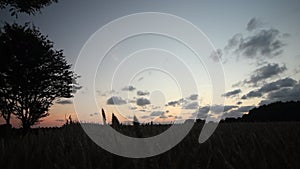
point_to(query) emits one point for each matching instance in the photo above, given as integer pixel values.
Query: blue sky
(261, 67)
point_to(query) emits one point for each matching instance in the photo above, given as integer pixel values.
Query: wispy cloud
(128, 88)
(232, 93)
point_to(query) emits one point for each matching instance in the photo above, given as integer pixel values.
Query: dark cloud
(232, 93)
(202, 112)
(237, 112)
(217, 109)
(142, 93)
(266, 88)
(163, 116)
(252, 94)
(216, 55)
(245, 108)
(182, 100)
(264, 72)
(265, 43)
(239, 103)
(129, 88)
(261, 45)
(283, 94)
(116, 100)
(157, 113)
(193, 105)
(172, 103)
(142, 101)
(234, 41)
(253, 24)
(193, 97)
(64, 101)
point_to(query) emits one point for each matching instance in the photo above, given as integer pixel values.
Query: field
(232, 146)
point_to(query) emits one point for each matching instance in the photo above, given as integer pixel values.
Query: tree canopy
(25, 6)
(32, 74)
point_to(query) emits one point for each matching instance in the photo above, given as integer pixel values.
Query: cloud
(253, 24)
(245, 108)
(283, 94)
(163, 116)
(252, 94)
(217, 109)
(129, 88)
(64, 101)
(265, 72)
(157, 113)
(239, 103)
(142, 93)
(172, 103)
(238, 112)
(182, 100)
(60, 120)
(193, 105)
(234, 41)
(115, 100)
(232, 93)
(202, 112)
(216, 55)
(142, 101)
(266, 43)
(193, 97)
(266, 88)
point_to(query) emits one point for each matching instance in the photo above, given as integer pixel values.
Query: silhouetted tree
(25, 6)
(135, 121)
(103, 117)
(114, 120)
(6, 108)
(32, 73)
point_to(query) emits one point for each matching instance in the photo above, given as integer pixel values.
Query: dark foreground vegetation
(233, 145)
(277, 111)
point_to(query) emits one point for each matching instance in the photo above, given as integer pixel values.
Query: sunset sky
(257, 44)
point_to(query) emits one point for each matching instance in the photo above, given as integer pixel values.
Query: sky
(157, 78)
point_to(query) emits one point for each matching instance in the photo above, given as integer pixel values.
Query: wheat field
(232, 146)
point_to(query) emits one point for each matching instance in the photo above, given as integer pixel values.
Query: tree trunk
(7, 119)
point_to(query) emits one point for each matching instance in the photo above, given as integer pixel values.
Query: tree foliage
(25, 6)
(32, 74)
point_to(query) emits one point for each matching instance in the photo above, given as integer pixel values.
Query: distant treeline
(278, 111)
